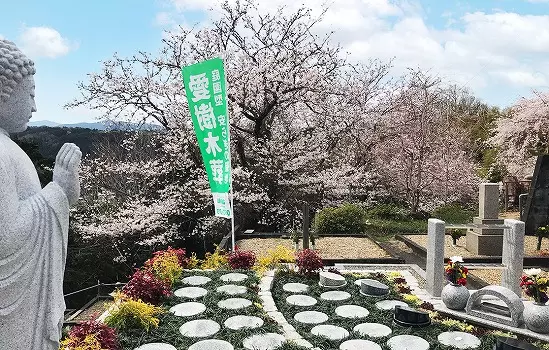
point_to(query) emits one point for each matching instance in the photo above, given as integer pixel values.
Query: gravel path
(530, 243)
(327, 247)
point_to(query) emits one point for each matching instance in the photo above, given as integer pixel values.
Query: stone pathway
(196, 280)
(234, 277)
(239, 322)
(352, 311)
(268, 341)
(188, 309)
(190, 292)
(156, 346)
(199, 328)
(330, 332)
(359, 344)
(374, 330)
(212, 344)
(231, 289)
(234, 303)
(335, 295)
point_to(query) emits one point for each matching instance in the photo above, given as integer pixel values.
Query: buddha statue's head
(16, 88)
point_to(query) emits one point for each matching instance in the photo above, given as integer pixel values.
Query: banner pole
(223, 57)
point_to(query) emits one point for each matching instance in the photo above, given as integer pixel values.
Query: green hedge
(344, 220)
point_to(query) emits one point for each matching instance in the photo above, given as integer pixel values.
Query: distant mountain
(96, 125)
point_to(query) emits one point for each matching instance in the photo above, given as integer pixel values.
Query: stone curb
(270, 308)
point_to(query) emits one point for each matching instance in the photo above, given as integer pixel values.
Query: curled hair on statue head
(14, 66)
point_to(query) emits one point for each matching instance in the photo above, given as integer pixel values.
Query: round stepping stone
(301, 300)
(234, 303)
(389, 304)
(232, 289)
(311, 317)
(330, 332)
(234, 277)
(359, 344)
(156, 346)
(196, 280)
(199, 328)
(459, 340)
(211, 344)
(374, 330)
(188, 309)
(409, 342)
(335, 295)
(331, 280)
(190, 292)
(352, 311)
(267, 341)
(238, 322)
(295, 287)
(373, 288)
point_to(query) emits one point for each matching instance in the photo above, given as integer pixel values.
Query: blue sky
(498, 48)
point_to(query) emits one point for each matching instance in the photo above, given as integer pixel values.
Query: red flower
(462, 281)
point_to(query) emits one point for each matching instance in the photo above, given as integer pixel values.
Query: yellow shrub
(216, 260)
(410, 298)
(130, 313)
(394, 274)
(193, 262)
(89, 343)
(462, 326)
(273, 257)
(166, 267)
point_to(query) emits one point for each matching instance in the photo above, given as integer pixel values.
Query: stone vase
(455, 296)
(536, 317)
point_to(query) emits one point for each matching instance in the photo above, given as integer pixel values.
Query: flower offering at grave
(455, 272)
(535, 285)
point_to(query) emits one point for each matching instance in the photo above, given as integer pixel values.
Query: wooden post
(306, 226)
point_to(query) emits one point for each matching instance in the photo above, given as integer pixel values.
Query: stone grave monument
(486, 241)
(536, 212)
(33, 220)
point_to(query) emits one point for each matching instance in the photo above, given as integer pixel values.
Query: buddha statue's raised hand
(65, 171)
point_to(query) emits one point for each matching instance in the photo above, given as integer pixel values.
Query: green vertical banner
(207, 97)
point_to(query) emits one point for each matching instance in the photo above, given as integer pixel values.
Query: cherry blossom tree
(423, 156)
(523, 134)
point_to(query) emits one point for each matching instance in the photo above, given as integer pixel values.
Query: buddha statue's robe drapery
(33, 248)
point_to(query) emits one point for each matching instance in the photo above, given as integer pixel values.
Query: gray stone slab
(311, 317)
(233, 277)
(196, 280)
(331, 280)
(389, 304)
(232, 289)
(295, 287)
(459, 340)
(435, 257)
(301, 300)
(190, 292)
(212, 344)
(335, 295)
(188, 309)
(373, 287)
(234, 303)
(408, 342)
(330, 332)
(199, 328)
(156, 346)
(358, 282)
(374, 330)
(241, 321)
(359, 344)
(267, 341)
(512, 255)
(352, 311)
(513, 303)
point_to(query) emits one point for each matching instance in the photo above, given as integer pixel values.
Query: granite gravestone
(487, 241)
(33, 220)
(536, 211)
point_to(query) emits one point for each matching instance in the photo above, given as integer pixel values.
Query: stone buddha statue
(33, 220)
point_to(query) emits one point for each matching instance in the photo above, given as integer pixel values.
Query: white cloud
(44, 42)
(538, 1)
(500, 51)
(164, 19)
